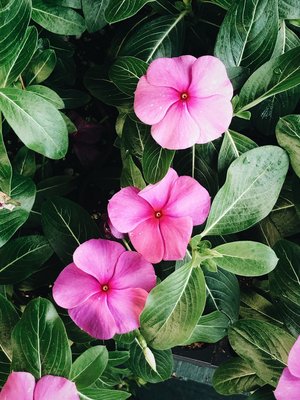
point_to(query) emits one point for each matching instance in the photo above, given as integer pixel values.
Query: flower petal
(177, 130)
(151, 103)
(209, 77)
(19, 385)
(98, 258)
(158, 194)
(288, 387)
(133, 271)
(171, 72)
(54, 387)
(294, 359)
(176, 233)
(147, 240)
(73, 287)
(188, 198)
(213, 116)
(94, 317)
(126, 209)
(126, 306)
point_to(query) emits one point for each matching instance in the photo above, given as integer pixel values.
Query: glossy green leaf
(264, 393)
(134, 137)
(93, 11)
(118, 10)
(24, 162)
(55, 186)
(131, 174)
(73, 98)
(103, 394)
(23, 191)
(40, 67)
(289, 9)
(66, 225)
(288, 137)
(117, 357)
(221, 3)
(8, 319)
(5, 165)
(40, 343)
(4, 368)
(242, 201)
(47, 94)
(25, 112)
(248, 33)
(173, 308)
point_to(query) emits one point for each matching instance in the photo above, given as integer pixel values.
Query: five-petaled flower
(185, 99)
(105, 288)
(22, 386)
(288, 387)
(159, 219)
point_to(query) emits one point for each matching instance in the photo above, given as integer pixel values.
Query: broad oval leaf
(118, 10)
(8, 319)
(40, 67)
(173, 308)
(93, 11)
(24, 162)
(40, 343)
(47, 94)
(103, 394)
(242, 201)
(5, 165)
(289, 9)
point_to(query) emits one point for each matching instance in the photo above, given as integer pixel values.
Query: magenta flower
(288, 387)
(160, 218)
(185, 99)
(105, 288)
(22, 386)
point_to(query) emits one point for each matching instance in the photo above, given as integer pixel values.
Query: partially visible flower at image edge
(160, 218)
(105, 288)
(288, 387)
(185, 99)
(22, 386)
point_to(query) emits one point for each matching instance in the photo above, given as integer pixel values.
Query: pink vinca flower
(22, 386)
(160, 218)
(105, 288)
(185, 99)
(288, 387)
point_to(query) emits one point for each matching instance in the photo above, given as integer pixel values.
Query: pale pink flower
(185, 99)
(105, 288)
(288, 387)
(22, 386)
(159, 219)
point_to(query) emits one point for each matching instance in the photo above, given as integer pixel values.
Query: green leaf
(25, 112)
(235, 376)
(289, 9)
(264, 393)
(55, 186)
(40, 343)
(40, 67)
(242, 201)
(288, 137)
(22, 257)
(140, 367)
(131, 174)
(57, 19)
(4, 368)
(73, 98)
(118, 10)
(5, 165)
(160, 37)
(66, 225)
(23, 191)
(89, 366)
(134, 136)
(265, 347)
(248, 33)
(8, 319)
(93, 11)
(126, 72)
(103, 394)
(156, 161)
(275, 76)
(173, 308)
(24, 162)
(47, 94)
(221, 3)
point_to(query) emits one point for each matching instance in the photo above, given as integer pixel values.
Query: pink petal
(55, 388)
(213, 116)
(177, 130)
(147, 240)
(126, 306)
(288, 387)
(171, 72)
(151, 103)
(294, 359)
(66, 292)
(188, 198)
(94, 317)
(98, 258)
(133, 271)
(176, 233)
(209, 77)
(158, 194)
(114, 232)
(126, 209)
(19, 385)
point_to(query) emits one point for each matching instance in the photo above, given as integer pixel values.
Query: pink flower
(105, 289)
(22, 386)
(160, 218)
(288, 387)
(185, 99)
